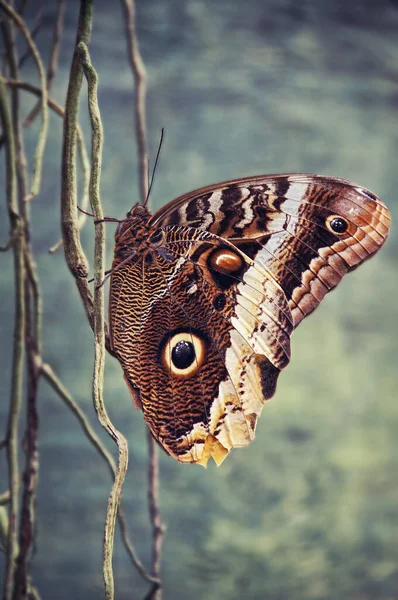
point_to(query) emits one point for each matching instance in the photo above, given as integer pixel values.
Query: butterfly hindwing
(233, 313)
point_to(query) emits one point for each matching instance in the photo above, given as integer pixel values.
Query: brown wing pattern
(283, 222)
(241, 325)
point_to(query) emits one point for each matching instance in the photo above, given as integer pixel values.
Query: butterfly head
(131, 232)
(133, 226)
(138, 211)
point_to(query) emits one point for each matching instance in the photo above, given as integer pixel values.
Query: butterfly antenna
(148, 174)
(103, 220)
(155, 165)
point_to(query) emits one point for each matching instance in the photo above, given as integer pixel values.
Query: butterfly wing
(201, 333)
(285, 223)
(201, 321)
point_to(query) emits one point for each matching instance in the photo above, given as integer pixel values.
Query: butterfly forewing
(285, 223)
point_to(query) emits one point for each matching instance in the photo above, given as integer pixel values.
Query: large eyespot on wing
(183, 352)
(328, 230)
(358, 218)
(213, 352)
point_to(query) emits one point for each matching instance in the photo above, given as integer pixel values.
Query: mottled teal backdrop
(310, 509)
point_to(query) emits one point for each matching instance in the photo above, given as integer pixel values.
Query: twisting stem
(59, 388)
(52, 379)
(158, 528)
(33, 593)
(81, 147)
(35, 334)
(17, 236)
(5, 497)
(33, 337)
(34, 32)
(74, 253)
(33, 313)
(139, 72)
(99, 317)
(22, 6)
(3, 529)
(53, 61)
(35, 187)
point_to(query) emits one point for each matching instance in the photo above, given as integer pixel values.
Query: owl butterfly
(206, 292)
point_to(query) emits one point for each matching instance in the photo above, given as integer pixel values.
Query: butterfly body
(206, 292)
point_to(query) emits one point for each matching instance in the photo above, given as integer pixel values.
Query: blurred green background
(310, 509)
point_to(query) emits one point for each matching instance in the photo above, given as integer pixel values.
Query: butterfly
(206, 292)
